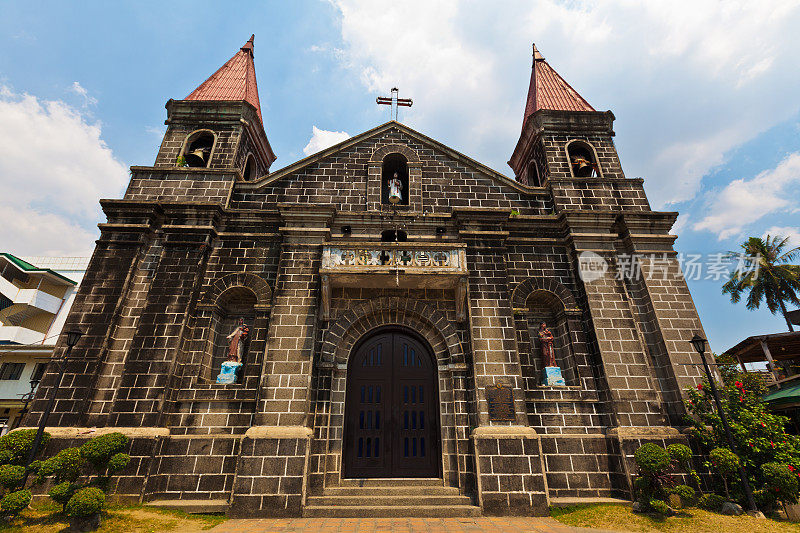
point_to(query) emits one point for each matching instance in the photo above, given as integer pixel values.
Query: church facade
(406, 330)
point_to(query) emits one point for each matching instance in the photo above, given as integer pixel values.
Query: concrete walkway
(399, 525)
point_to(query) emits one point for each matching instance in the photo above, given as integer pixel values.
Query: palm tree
(774, 280)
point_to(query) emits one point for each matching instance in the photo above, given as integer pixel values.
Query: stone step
(191, 506)
(391, 511)
(366, 492)
(570, 501)
(389, 501)
(394, 482)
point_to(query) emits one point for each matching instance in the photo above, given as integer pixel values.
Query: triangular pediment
(379, 131)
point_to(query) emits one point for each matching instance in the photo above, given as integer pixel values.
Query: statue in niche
(395, 186)
(552, 372)
(230, 368)
(237, 338)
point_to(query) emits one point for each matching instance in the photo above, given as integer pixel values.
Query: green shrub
(681, 454)
(710, 502)
(724, 461)
(66, 465)
(85, 502)
(686, 493)
(11, 475)
(62, 492)
(99, 450)
(659, 506)
(652, 459)
(14, 502)
(16, 446)
(780, 484)
(118, 462)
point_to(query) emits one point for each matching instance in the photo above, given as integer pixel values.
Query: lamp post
(72, 339)
(27, 397)
(699, 344)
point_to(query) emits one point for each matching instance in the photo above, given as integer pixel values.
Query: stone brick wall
(179, 185)
(270, 474)
(510, 473)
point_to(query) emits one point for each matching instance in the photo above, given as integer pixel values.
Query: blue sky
(705, 96)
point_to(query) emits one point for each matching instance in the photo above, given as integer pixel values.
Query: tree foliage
(775, 280)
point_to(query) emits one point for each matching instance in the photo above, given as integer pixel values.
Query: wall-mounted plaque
(501, 403)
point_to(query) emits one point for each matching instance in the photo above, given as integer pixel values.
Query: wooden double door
(391, 425)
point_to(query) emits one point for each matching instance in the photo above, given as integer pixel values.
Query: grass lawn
(619, 517)
(44, 517)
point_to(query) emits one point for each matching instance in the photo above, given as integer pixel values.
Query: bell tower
(219, 124)
(563, 136)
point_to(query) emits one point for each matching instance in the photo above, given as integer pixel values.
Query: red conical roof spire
(235, 80)
(548, 90)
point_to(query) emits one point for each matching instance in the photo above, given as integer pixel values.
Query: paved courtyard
(432, 525)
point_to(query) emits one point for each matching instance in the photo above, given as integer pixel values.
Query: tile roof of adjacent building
(548, 90)
(235, 80)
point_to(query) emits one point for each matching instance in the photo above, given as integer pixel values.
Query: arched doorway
(391, 426)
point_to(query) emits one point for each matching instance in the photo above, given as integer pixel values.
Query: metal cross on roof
(394, 101)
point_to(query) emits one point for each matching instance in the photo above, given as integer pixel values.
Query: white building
(35, 296)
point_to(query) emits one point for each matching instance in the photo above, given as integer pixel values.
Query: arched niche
(198, 148)
(582, 159)
(395, 166)
(231, 305)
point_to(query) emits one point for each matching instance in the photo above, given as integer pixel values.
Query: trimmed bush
(660, 507)
(15, 502)
(711, 502)
(11, 475)
(99, 450)
(16, 446)
(66, 465)
(686, 493)
(85, 502)
(724, 461)
(118, 462)
(681, 454)
(62, 492)
(652, 459)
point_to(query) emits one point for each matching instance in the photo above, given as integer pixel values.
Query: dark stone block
(510, 447)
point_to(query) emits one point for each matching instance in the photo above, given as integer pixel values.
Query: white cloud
(53, 168)
(321, 139)
(743, 202)
(687, 79)
(78, 89)
(785, 231)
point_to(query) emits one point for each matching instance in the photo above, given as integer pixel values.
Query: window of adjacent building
(11, 371)
(394, 180)
(197, 149)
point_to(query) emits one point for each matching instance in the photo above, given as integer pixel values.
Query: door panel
(391, 411)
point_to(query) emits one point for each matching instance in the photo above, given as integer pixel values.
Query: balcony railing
(409, 258)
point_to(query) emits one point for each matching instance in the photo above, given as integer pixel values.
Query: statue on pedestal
(395, 186)
(230, 368)
(546, 339)
(552, 372)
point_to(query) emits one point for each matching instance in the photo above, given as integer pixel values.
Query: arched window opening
(545, 307)
(232, 305)
(249, 173)
(394, 180)
(197, 149)
(534, 177)
(582, 161)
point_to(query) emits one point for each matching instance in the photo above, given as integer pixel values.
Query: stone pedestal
(553, 377)
(229, 372)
